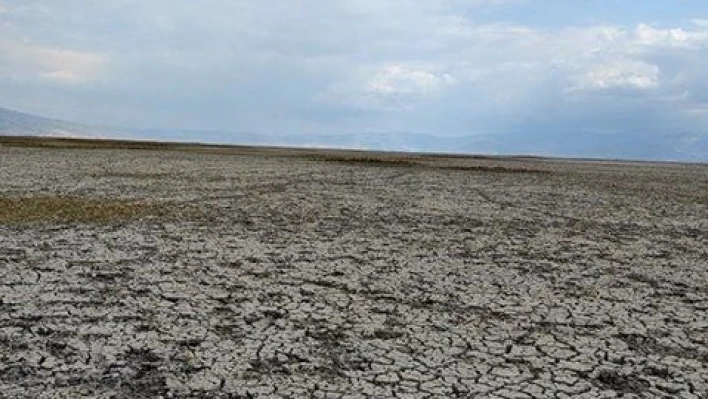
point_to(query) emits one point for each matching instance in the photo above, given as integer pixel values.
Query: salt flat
(227, 272)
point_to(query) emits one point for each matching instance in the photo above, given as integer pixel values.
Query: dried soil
(227, 272)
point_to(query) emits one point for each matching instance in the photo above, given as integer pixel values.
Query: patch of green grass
(60, 209)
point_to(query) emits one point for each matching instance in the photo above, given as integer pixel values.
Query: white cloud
(430, 7)
(391, 86)
(649, 36)
(415, 64)
(398, 79)
(699, 110)
(620, 74)
(23, 60)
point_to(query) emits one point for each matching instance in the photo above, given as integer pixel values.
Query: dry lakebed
(132, 270)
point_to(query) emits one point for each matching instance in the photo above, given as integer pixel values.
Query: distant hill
(14, 123)
(629, 144)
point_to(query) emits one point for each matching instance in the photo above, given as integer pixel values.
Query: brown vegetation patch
(69, 210)
(115, 144)
(52, 142)
(368, 160)
(135, 175)
(494, 169)
(414, 161)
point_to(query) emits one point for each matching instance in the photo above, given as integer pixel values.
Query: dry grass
(494, 169)
(135, 175)
(351, 157)
(50, 142)
(368, 160)
(69, 210)
(415, 161)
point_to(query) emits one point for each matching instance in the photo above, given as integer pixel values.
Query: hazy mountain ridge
(630, 144)
(15, 123)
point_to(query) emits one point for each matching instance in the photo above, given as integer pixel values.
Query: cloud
(22, 60)
(653, 37)
(389, 87)
(630, 74)
(444, 66)
(634, 69)
(398, 79)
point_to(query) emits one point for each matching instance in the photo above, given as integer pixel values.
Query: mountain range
(14, 123)
(629, 144)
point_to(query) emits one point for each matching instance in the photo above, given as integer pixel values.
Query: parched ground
(227, 272)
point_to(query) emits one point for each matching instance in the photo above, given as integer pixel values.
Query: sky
(440, 67)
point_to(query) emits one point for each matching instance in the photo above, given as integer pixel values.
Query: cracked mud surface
(279, 276)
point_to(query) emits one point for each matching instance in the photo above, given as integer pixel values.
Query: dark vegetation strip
(351, 157)
(78, 143)
(70, 210)
(415, 162)
(494, 169)
(363, 160)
